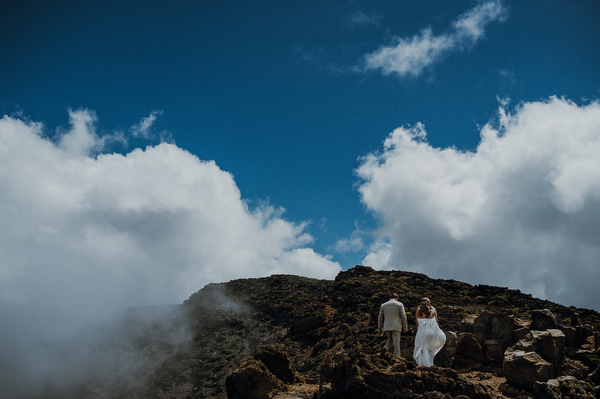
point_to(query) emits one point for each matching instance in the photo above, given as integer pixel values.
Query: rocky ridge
(294, 337)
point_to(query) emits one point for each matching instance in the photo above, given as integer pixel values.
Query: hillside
(327, 330)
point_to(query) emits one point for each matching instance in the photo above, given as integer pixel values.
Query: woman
(429, 339)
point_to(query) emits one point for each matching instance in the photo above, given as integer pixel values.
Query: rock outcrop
(535, 363)
(294, 337)
(356, 375)
(252, 380)
(564, 387)
(257, 378)
(525, 368)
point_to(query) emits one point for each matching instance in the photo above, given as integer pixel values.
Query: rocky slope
(293, 337)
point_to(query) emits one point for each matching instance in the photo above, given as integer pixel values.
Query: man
(392, 319)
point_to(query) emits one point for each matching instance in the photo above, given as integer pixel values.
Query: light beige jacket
(392, 316)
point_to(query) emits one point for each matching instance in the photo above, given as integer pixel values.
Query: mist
(87, 232)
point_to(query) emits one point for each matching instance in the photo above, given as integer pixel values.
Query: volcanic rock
(525, 368)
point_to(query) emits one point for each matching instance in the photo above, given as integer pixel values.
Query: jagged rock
(502, 327)
(575, 320)
(546, 390)
(521, 323)
(548, 344)
(482, 326)
(277, 361)
(467, 324)
(445, 357)
(563, 387)
(573, 388)
(573, 337)
(588, 358)
(589, 338)
(468, 350)
(574, 368)
(493, 350)
(525, 368)
(359, 376)
(252, 380)
(520, 334)
(543, 320)
(595, 376)
(579, 336)
(497, 326)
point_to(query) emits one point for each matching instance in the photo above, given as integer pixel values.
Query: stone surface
(520, 333)
(573, 336)
(525, 368)
(543, 320)
(252, 380)
(468, 350)
(575, 369)
(467, 324)
(595, 376)
(278, 362)
(563, 387)
(588, 358)
(358, 376)
(227, 323)
(548, 344)
(502, 327)
(493, 350)
(445, 357)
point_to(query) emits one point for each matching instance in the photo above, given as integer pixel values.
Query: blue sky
(151, 147)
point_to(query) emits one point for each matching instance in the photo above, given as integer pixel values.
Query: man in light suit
(392, 320)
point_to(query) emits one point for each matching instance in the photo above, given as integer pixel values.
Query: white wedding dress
(428, 341)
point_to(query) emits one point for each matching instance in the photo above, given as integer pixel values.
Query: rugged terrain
(286, 336)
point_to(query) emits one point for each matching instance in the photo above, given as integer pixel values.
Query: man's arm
(404, 321)
(380, 322)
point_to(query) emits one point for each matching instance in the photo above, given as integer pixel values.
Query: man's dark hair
(394, 295)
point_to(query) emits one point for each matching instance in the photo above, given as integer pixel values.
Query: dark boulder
(445, 357)
(595, 376)
(543, 320)
(252, 380)
(277, 362)
(355, 375)
(548, 344)
(468, 351)
(563, 387)
(525, 368)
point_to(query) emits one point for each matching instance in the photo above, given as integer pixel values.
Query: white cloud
(353, 244)
(81, 138)
(359, 18)
(85, 236)
(142, 129)
(469, 27)
(410, 56)
(521, 211)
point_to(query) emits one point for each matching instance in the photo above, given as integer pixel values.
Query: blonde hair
(425, 308)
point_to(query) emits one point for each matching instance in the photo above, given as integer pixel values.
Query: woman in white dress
(429, 339)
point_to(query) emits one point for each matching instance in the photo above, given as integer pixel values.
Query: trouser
(393, 342)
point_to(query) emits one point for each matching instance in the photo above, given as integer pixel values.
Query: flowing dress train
(429, 340)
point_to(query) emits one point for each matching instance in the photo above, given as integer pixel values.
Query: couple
(429, 339)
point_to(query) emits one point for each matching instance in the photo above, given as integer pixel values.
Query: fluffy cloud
(409, 57)
(86, 233)
(520, 211)
(359, 18)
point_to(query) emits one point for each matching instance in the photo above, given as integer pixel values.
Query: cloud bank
(86, 233)
(520, 211)
(408, 57)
